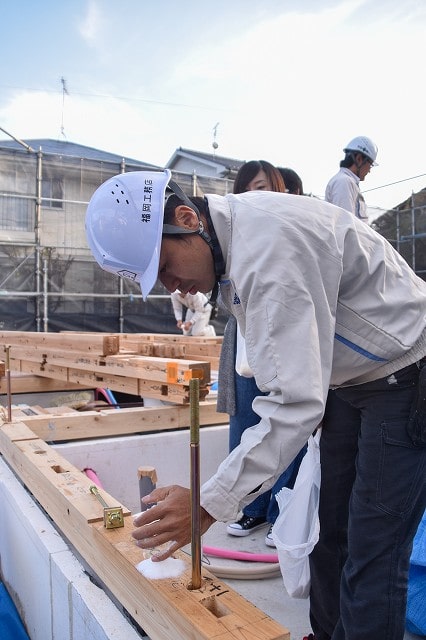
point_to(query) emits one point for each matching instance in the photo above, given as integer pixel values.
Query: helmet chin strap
(212, 241)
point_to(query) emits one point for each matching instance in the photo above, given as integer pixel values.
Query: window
(52, 192)
(16, 213)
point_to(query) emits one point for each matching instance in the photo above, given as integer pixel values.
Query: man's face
(186, 264)
(364, 166)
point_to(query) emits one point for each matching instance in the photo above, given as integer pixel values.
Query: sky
(288, 81)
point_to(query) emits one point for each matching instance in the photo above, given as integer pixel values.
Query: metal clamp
(113, 516)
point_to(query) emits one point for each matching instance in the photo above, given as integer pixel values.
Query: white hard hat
(124, 224)
(362, 144)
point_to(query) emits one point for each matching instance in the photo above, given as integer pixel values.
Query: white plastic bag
(242, 366)
(296, 529)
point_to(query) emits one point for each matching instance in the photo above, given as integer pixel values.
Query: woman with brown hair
(237, 387)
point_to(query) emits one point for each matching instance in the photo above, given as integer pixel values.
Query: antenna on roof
(64, 93)
(214, 143)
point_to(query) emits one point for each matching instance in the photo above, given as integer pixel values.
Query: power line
(390, 184)
(126, 99)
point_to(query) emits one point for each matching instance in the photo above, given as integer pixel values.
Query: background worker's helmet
(362, 144)
(124, 224)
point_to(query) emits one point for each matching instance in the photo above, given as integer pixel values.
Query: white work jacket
(198, 303)
(322, 301)
(343, 191)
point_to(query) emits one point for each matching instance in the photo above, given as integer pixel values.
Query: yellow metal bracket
(113, 516)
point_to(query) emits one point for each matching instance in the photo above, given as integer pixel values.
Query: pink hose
(240, 555)
(94, 478)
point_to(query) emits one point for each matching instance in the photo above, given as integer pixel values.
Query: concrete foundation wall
(116, 460)
(54, 596)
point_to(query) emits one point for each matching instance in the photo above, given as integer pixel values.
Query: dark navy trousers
(373, 496)
(265, 505)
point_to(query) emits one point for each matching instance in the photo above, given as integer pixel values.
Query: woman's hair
(292, 180)
(250, 169)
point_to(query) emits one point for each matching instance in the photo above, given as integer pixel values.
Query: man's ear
(186, 217)
(359, 159)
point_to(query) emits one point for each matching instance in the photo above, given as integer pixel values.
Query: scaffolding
(405, 228)
(49, 280)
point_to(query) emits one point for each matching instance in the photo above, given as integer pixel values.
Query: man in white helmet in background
(343, 188)
(322, 301)
(192, 313)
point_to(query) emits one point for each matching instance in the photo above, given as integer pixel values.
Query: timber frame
(166, 609)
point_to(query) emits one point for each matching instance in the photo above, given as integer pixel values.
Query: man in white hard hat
(343, 188)
(322, 301)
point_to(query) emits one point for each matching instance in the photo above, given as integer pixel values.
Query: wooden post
(147, 482)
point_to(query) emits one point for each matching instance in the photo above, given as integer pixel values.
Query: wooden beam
(132, 340)
(165, 608)
(110, 422)
(102, 344)
(165, 370)
(139, 364)
(30, 383)
(169, 392)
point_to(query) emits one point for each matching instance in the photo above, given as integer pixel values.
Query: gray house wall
(49, 280)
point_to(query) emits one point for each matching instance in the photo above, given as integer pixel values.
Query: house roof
(416, 199)
(230, 165)
(65, 148)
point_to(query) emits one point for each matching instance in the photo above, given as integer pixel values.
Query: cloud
(289, 86)
(90, 27)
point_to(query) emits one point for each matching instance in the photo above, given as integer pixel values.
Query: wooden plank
(150, 368)
(58, 411)
(165, 608)
(187, 352)
(167, 392)
(60, 357)
(174, 346)
(30, 383)
(132, 340)
(102, 344)
(83, 379)
(108, 423)
(69, 482)
(125, 384)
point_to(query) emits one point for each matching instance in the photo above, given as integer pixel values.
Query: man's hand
(168, 521)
